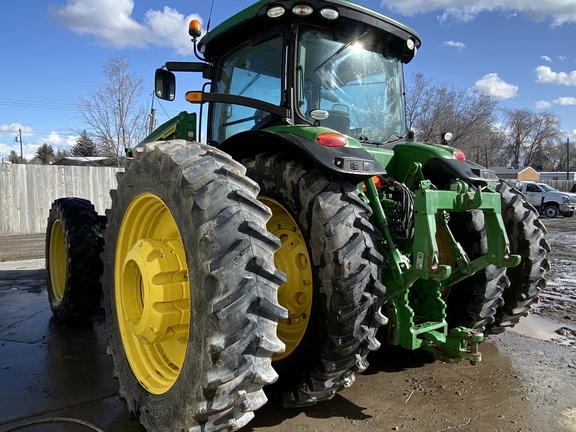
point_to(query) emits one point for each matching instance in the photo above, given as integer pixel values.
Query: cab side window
(253, 71)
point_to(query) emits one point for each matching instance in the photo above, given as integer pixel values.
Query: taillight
(459, 154)
(331, 139)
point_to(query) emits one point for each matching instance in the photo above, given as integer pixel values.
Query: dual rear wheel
(191, 284)
(74, 243)
(333, 293)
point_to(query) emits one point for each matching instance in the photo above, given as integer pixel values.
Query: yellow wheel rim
(152, 293)
(58, 260)
(293, 259)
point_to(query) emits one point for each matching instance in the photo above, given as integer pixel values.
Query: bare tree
(529, 138)
(434, 108)
(112, 110)
(15, 158)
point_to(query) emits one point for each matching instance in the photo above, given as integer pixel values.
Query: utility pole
(152, 124)
(19, 137)
(567, 158)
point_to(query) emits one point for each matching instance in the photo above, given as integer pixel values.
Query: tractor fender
(353, 163)
(442, 171)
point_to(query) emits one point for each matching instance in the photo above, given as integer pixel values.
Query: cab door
(534, 194)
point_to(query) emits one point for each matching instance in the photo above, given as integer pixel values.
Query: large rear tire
(526, 234)
(190, 289)
(74, 243)
(333, 292)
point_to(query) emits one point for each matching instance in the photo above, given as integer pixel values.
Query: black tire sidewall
(551, 212)
(225, 366)
(84, 244)
(345, 267)
(139, 400)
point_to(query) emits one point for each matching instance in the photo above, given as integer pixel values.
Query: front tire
(191, 289)
(551, 212)
(526, 234)
(333, 291)
(74, 243)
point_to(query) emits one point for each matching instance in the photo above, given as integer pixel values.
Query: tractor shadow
(385, 364)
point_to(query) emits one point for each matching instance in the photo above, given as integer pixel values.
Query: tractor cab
(327, 64)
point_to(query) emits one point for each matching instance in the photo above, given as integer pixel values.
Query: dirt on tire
(190, 289)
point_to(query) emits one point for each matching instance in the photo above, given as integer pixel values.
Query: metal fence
(27, 192)
(561, 185)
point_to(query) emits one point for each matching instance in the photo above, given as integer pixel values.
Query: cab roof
(351, 18)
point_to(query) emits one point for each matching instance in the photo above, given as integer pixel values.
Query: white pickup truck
(549, 201)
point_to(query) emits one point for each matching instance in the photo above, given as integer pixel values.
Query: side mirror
(165, 84)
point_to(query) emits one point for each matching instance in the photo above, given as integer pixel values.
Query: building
(557, 175)
(512, 174)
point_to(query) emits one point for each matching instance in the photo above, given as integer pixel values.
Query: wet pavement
(50, 371)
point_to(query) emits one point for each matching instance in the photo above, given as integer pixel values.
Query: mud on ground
(525, 383)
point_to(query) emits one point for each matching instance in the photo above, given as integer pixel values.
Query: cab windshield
(359, 87)
(547, 188)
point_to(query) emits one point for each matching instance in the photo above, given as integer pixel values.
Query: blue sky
(520, 51)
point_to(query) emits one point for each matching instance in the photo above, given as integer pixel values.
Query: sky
(522, 52)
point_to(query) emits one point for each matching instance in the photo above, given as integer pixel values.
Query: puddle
(538, 327)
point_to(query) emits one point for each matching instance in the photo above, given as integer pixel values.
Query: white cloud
(112, 23)
(544, 74)
(546, 59)
(542, 104)
(31, 140)
(16, 128)
(557, 11)
(458, 45)
(170, 28)
(492, 85)
(58, 141)
(562, 101)
(565, 101)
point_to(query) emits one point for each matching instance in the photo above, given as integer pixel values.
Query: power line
(13, 132)
(36, 104)
(161, 106)
(52, 105)
(46, 77)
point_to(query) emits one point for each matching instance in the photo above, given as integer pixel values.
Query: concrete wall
(27, 192)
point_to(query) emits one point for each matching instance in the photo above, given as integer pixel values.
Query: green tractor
(310, 229)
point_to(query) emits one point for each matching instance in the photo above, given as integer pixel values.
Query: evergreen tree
(14, 158)
(45, 153)
(84, 146)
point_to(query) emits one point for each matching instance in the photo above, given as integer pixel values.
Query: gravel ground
(558, 300)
